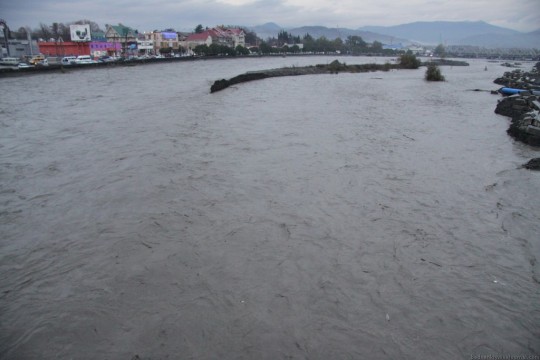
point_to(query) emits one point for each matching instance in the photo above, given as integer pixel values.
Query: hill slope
(269, 30)
(476, 33)
(457, 33)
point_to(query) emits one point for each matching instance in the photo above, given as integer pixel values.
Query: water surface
(344, 216)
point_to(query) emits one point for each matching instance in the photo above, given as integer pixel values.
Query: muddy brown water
(350, 216)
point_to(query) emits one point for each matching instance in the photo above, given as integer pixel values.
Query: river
(349, 216)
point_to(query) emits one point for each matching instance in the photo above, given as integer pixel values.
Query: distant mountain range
(477, 33)
(271, 30)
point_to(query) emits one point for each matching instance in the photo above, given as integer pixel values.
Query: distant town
(85, 42)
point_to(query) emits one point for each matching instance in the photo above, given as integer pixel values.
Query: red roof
(199, 37)
(213, 33)
(236, 31)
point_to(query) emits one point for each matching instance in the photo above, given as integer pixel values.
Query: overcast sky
(147, 15)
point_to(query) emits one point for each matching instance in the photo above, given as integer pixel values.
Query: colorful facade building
(194, 40)
(145, 46)
(167, 39)
(125, 36)
(98, 46)
(71, 48)
(103, 48)
(63, 48)
(231, 37)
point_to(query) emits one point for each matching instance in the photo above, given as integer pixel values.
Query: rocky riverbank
(519, 79)
(522, 108)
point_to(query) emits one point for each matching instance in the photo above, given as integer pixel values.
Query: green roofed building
(98, 36)
(124, 35)
(120, 33)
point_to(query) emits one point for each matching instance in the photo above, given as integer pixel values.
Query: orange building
(67, 48)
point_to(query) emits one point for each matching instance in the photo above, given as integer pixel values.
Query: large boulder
(524, 109)
(533, 164)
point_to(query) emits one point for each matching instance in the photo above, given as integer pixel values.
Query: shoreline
(52, 68)
(11, 71)
(523, 108)
(335, 67)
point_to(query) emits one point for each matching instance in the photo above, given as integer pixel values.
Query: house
(194, 40)
(221, 36)
(167, 39)
(231, 37)
(123, 35)
(238, 36)
(120, 33)
(145, 44)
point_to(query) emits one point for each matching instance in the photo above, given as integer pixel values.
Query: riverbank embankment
(56, 67)
(335, 67)
(523, 108)
(60, 68)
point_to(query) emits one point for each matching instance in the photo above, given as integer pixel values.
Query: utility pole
(29, 37)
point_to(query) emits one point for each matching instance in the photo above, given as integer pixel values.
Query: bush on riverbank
(433, 73)
(335, 67)
(409, 61)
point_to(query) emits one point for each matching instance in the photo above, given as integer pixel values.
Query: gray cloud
(148, 15)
